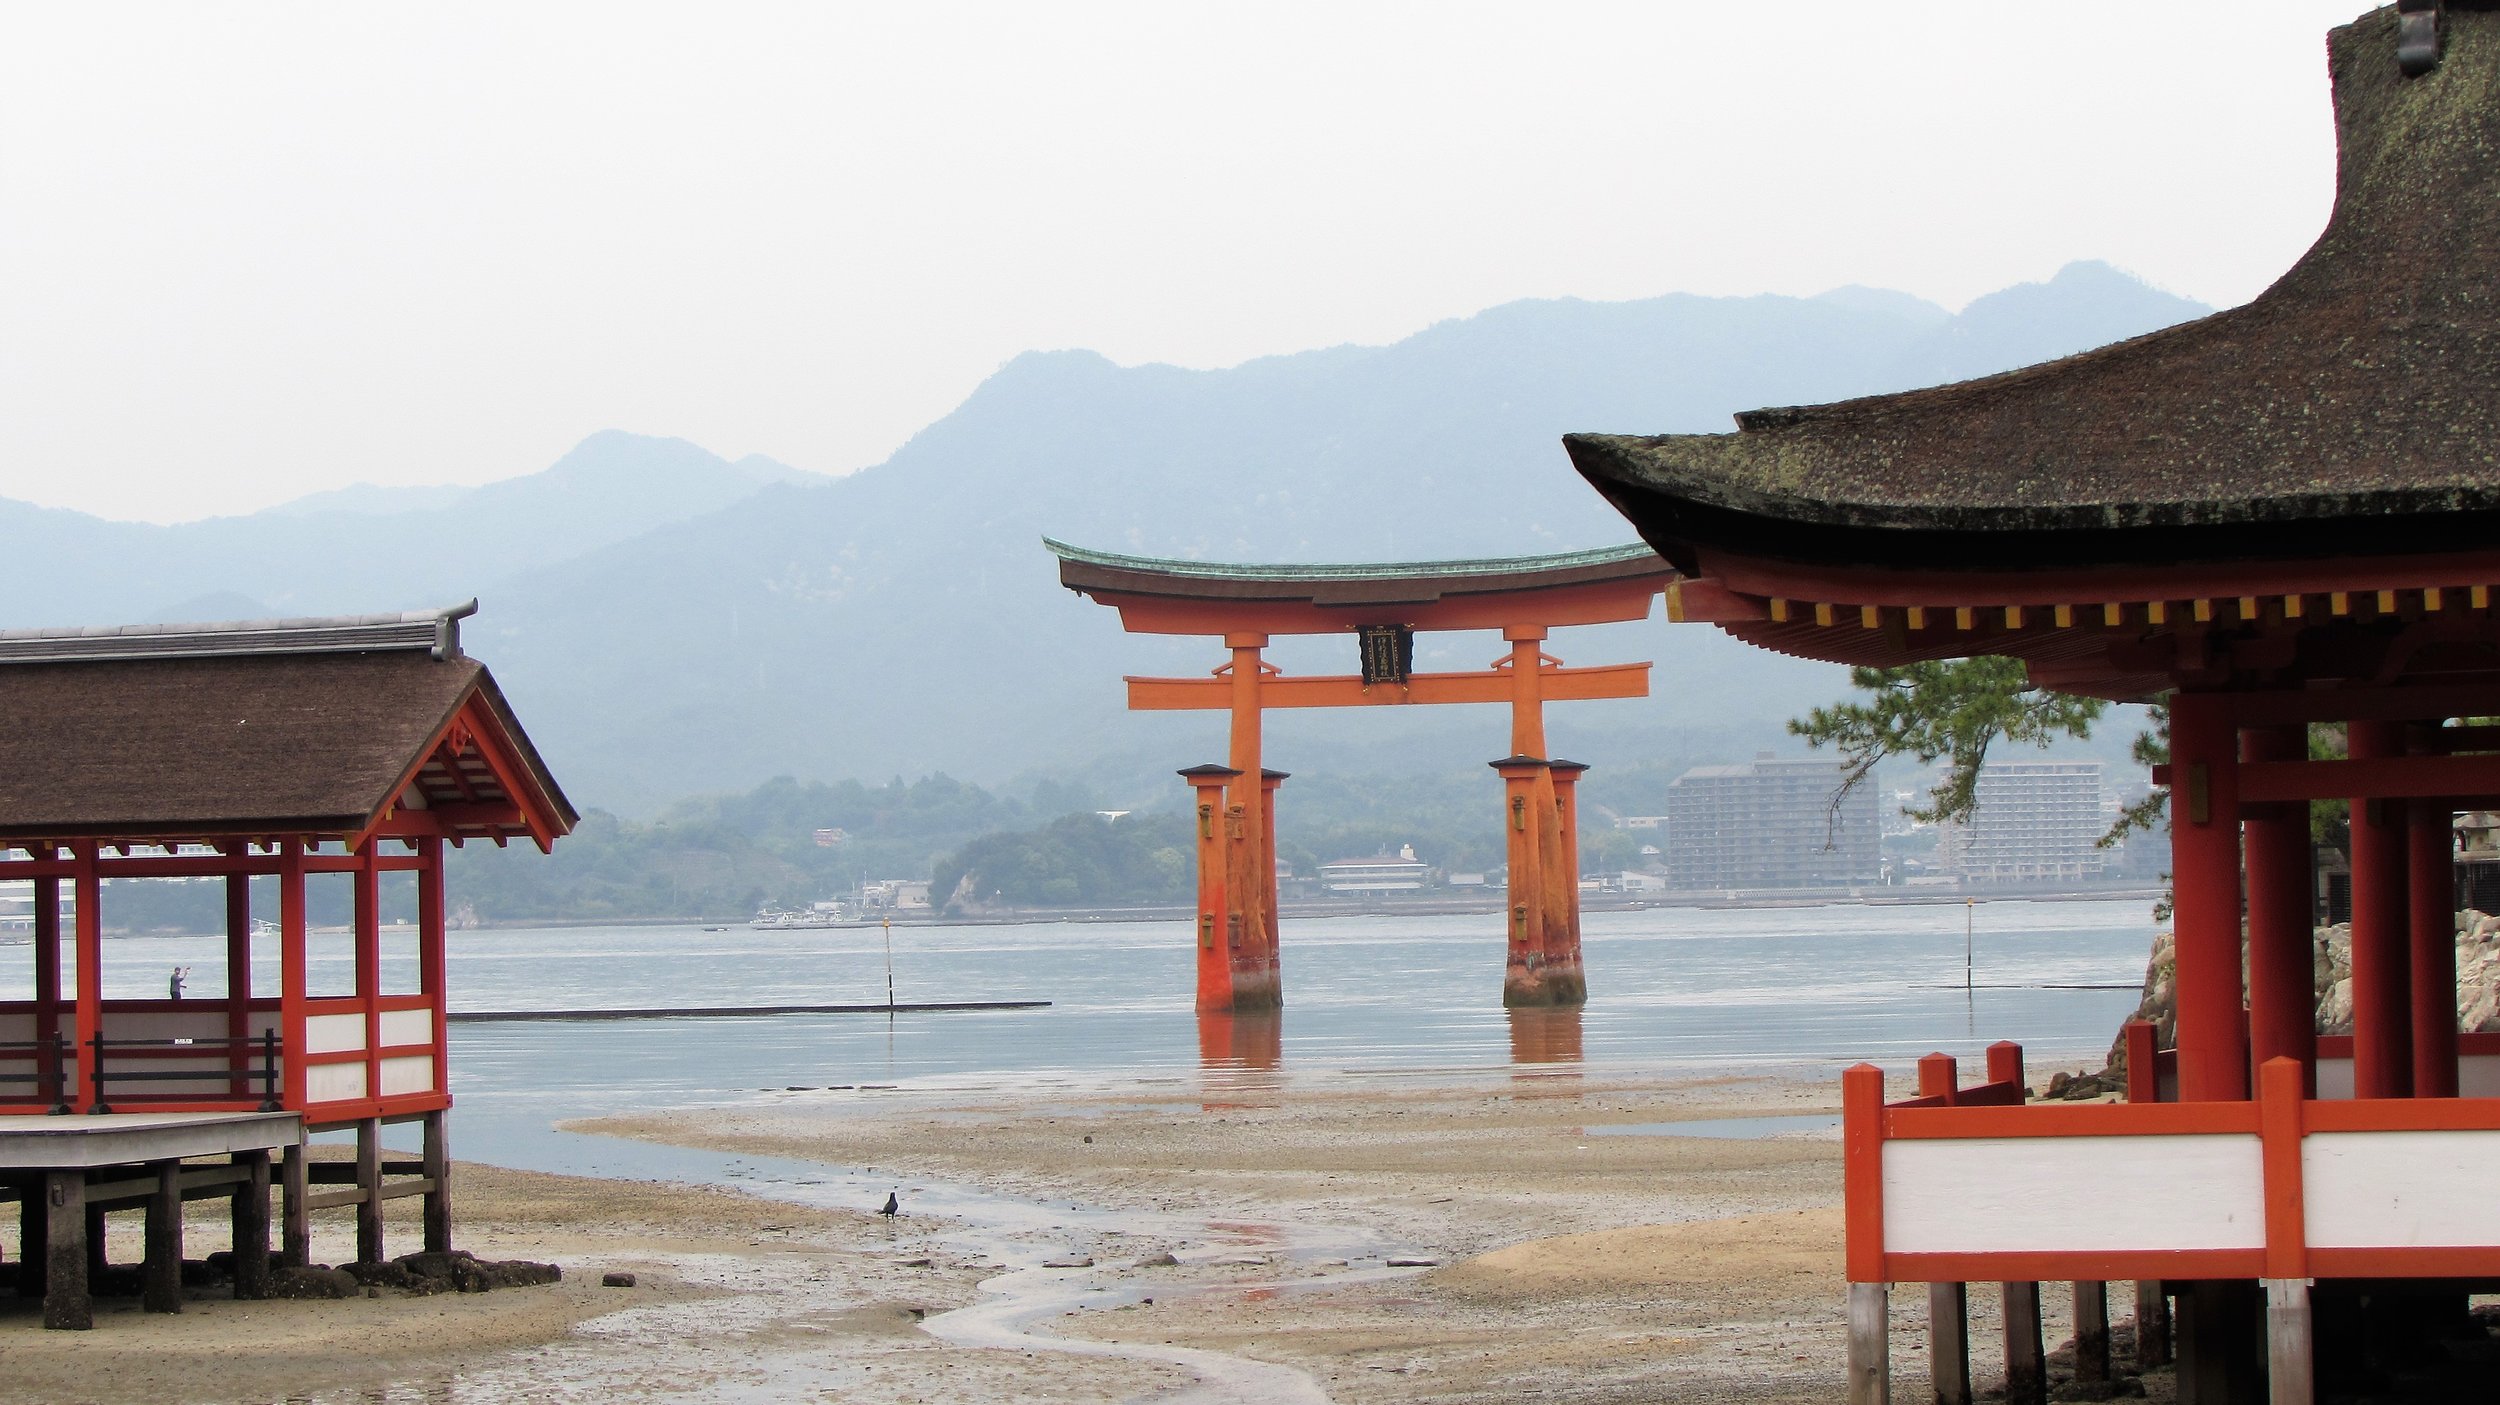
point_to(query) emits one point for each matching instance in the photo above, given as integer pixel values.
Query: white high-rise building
(2035, 825)
(1771, 823)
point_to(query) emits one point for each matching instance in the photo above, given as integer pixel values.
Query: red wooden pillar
(433, 962)
(238, 972)
(2205, 875)
(2282, 945)
(1215, 941)
(88, 895)
(1522, 975)
(2382, 988)
(291, 967)
(368, 927)
(1251, 893)
(1271, 945)
(48, 984)
(2430, 865)
(1562, 948)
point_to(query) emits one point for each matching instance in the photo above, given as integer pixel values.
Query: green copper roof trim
(1361, 571)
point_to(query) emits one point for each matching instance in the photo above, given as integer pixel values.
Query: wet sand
(1469, 1238)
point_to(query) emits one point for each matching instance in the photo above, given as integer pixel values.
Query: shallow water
(1680, 989)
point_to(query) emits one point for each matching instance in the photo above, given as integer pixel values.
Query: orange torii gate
(1384, 606)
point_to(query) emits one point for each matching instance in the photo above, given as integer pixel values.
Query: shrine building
(2279, 516)
(344, 753)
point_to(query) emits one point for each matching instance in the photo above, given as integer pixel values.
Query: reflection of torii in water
(1384, 606)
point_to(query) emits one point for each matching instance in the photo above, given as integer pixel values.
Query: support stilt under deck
(369, 1180)
(251, 1227)
(66, 1304)
(437, 1209)
(1870, 1344)
(295, 1207)
(2152, 1325)
(2290, 1354)
(2092, 1332)
(1948, 1342)
(2026, 1358)
(160, 1268)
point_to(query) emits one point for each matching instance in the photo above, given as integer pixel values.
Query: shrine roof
(2354, 406)
(259, 729)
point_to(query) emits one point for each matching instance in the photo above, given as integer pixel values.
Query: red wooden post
(1862, 1161)
(1252, 893)
(238, 976)
(1271, 955)
(291, 967)
(2205, 876)
(2143, 1062)
(1215, 967)
(2431, 965)
(1524, 911)
(2005, 1065)
(1938, 1076)
(433, 959)
(2282, 996)
(87, 894)
(2382, 988)
(2283, 1085)
(48, 984)
(1562, 946)
(368, 919)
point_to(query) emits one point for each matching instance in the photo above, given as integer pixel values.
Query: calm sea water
(1670, 989)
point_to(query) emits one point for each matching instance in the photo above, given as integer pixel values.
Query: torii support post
(1216, 938)
(1250, 869)
(1522, 828)
(1564, 976)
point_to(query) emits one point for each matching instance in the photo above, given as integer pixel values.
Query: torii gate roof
(1166, 596)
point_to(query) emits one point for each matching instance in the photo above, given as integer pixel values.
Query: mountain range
(669, 622)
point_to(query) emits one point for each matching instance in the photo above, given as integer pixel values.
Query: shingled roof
(2352, 407)
(257, 729)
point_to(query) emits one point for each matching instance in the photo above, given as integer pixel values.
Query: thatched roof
(2352, 407)
(208, 731)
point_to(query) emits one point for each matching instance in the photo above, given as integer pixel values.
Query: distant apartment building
(2035, 824)
(1771, 823)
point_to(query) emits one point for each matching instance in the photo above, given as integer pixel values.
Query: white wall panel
(2051, 1194)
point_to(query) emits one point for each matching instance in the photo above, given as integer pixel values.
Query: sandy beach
(1470, 1237)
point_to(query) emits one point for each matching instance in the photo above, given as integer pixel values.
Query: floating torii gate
(1384, 606)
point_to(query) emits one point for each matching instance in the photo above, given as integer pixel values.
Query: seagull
(892, 1206)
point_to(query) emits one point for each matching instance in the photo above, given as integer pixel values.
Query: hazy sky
(252, 252)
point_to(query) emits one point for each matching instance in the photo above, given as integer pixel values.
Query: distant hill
(670, 623)
(361, 549)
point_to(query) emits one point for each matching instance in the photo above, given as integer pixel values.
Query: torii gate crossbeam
(1385, 605)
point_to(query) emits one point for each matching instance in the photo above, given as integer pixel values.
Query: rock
(616, 1280)
(1069, 1261)
(463, 1272)
(1414, 1263)
(1162, 1260)
(313, 1281)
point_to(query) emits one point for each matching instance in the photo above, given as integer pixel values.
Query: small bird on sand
(892, 1206)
